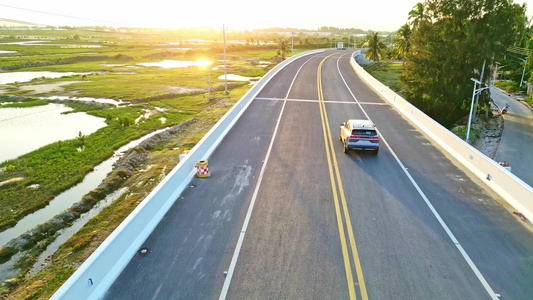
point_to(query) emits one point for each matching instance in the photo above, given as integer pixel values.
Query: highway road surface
(288, 215)
(516, 144)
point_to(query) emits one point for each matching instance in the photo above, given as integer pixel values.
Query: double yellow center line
(332, 164)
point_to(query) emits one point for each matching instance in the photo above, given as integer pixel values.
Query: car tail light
(364, 137)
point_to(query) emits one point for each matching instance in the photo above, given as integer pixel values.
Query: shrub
(6, 253)
(508, 85)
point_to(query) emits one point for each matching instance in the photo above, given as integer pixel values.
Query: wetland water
(70, 196)
(27, 76)
(66, 233)
(27, 129)
(87, 99)
(238, 77)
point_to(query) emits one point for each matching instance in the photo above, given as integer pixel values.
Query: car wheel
(376, 151)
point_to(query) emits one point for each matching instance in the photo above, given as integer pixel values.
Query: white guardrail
(511, 188)
(97, 273)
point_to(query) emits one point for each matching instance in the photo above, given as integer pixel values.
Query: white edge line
(426, 200)
(233, 263)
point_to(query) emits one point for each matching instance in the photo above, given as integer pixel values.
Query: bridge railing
(92, 279)
(511, 188)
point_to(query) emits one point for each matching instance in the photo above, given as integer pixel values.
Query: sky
(377, 15)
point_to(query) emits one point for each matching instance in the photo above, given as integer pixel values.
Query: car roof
(361, 124)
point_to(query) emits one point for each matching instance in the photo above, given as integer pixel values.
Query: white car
(357, 134)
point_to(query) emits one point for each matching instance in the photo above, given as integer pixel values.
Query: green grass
(461, 130)
(106, 80)
(59, 166)
(163, 158)
(507, 85)
(262, 55)
(387, 73)
(529, 100)
(21, 102)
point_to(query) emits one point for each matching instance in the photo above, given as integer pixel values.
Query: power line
(78, 28)
(521, 51)
(66, 16)
(18, 22)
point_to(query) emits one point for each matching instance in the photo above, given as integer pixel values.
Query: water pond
(99, 100)
(12, 77)
(70, 196)
(66, 233)
(23, 43)
(234, 77)
(43, 43)
(27, 129)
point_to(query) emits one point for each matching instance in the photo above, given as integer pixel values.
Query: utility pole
(225, 64)
(209, 86)
(292, 44)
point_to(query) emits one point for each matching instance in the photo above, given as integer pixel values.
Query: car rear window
(364, 132)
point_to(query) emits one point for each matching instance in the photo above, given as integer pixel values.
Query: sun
(203, 62)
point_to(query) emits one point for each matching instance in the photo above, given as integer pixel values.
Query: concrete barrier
(97, 273)
(511, 188)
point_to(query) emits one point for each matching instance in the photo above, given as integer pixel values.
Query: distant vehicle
(356, 134)
(506, 108)
(340, 46)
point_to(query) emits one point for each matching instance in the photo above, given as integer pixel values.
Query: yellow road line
(345, 255)
(355, 254)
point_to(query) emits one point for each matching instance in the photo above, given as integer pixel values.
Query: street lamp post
(225, 64)
(477, 97)
(208, 64)
(476, 82)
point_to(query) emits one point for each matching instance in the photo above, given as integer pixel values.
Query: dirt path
(47, 88)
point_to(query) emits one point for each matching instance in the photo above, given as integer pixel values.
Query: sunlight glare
(204, 62)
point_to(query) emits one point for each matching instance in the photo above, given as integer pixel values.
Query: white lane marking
(426, 200)
(317, 101)
(233, 263)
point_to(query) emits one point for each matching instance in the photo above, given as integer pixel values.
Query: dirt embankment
(491, 133)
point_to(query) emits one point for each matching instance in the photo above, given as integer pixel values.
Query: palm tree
(417, 15)
(402, 45)
(283, 47)
(374, 47)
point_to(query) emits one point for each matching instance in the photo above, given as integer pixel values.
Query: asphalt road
(409, 223)
(516, 144)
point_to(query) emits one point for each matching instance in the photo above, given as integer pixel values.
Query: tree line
(445, 43)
